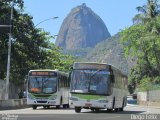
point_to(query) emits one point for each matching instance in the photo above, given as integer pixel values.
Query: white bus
(47, 88)
(97, 86)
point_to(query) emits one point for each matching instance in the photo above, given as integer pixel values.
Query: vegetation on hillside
(109, 51)
(30, 48)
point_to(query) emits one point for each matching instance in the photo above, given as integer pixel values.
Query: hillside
(109, 51)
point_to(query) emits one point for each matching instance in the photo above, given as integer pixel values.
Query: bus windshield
(91, 81)
(42, 84)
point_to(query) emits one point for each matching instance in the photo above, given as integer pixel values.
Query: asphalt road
(131, 112)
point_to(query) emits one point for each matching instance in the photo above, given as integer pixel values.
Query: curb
(136, 105)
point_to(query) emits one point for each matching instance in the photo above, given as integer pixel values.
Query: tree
(143, 40)
(31, 47)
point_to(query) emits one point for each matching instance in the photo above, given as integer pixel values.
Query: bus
(97, 86)
(47, 88)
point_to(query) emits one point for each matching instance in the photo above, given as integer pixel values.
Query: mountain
(81, 28)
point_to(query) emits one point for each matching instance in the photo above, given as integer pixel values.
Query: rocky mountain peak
(81, 28)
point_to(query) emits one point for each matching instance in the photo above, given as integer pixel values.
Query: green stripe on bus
(82, 96)
(41, 95)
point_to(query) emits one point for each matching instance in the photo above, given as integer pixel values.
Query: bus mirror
(112, 78)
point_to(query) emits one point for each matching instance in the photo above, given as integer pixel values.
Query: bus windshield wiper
(96, 72)
(92, 77)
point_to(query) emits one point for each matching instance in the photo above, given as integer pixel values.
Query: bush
(145, 84)
(149, 83)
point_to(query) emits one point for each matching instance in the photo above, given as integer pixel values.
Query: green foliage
(142, 40)
(131, 39)
(31, 47)
(58, 60)
(131, 89)
(145, 84)
(156, 80)
(148, 83)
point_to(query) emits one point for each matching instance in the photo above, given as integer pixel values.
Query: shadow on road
(115, 112)
(54, 108)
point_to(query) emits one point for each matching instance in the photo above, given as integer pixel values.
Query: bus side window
(68, 82)
(62, 82)
(59, 82)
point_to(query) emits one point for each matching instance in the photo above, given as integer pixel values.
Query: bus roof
(49, 70)
(43, 70)
(90, 65)
(95, 65)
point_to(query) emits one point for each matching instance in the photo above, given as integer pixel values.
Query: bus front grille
(41, 101)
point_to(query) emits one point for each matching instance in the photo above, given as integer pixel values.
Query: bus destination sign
(42, 73)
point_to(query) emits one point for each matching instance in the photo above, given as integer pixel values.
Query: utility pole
(9, 54)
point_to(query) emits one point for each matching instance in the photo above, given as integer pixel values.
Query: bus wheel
(44, 106)
(65, 105)
(121, 109)
(77, 109)
(92, 109)
(96, 109)
(48, 106)
(116, 109)
(57, 106)
(34, 107)
(109, 110)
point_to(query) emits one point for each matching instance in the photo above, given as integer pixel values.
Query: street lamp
(46, 20)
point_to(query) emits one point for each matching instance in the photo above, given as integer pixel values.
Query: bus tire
(116, 109)
(95, 109)
(121, 109)
(77, 109)
(57, 106)
(44, 106)
(92, 109)
(48, 106)
(34, 107)
(65, 105)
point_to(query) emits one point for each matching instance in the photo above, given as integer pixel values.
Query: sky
(116, 14)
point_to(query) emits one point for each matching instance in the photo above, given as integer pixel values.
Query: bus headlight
(103, 101)
(53, 97)
(30, 96)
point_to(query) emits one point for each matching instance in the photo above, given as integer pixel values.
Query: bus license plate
(88, 105)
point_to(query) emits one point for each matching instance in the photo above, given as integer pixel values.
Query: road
(131, 111)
